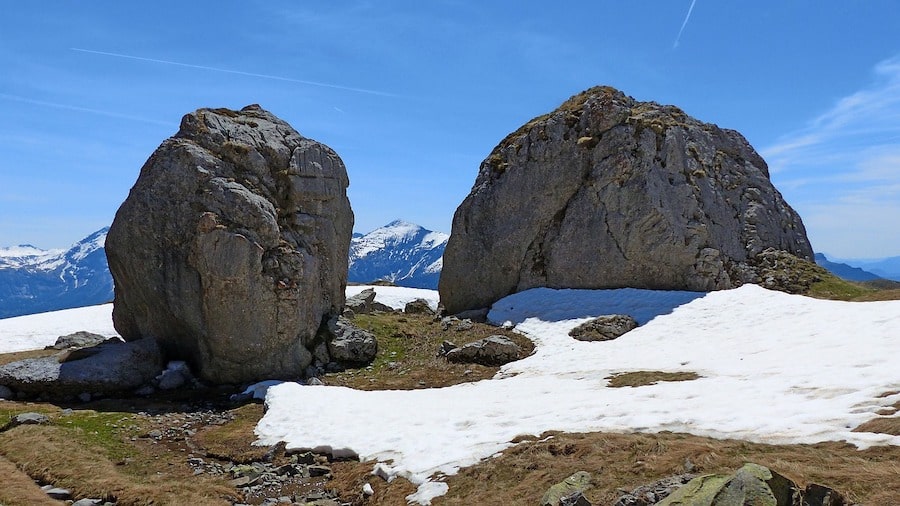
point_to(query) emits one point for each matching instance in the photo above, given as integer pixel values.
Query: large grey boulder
(110, 367)
(609, 192)
(231, 249)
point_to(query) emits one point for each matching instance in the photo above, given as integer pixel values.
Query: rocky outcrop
(490, 351)
(231, 249)
(751, 484)
(604, 328)
(108, 368)
(609, 192)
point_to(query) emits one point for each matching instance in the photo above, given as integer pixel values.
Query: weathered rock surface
(349, 344)
(110, 367)
(573, 485)
(364, 303)
(80, 339)
(25, 419)
(751, 484)
(604, 328)
(418, 306)
(648, 495)
(609, 192)
(231, 248)
(490, 351)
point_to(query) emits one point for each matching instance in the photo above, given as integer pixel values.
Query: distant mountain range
(33, 280)
(846, 271)
(400, 252)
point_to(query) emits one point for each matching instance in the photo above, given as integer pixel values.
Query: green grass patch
(107, 430)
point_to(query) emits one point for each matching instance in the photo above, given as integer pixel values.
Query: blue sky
(413, 95)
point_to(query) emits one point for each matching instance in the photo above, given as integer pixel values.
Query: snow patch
(817, 366)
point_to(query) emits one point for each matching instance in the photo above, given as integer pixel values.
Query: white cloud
(842, 171)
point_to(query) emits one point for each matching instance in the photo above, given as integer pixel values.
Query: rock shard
(610, 192)
(231, 248)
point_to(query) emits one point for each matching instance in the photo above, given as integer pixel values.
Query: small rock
(368, 490)
(314, 382)
(88, 502)
(25, 419)
(418, 306)
(491, 351)
(446, 347)
(576, 483)
(318, 470)
(176, 374)
(604, 328)
(576, 499)
(464, 325)
(350, 344)
(60, 494)
(80, 339)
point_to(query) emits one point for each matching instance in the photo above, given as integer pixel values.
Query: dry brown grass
(884, 425)
(233, 441)
(621, 462)
(407, 354)
(643, 378)
(57, 455)
(19, 489)
(7, 358)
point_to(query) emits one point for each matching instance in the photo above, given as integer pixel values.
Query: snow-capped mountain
(33, 280)
(401, 252)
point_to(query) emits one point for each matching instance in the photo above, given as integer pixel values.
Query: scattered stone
(111, 367)
(25, 419)
(349, 344)
(317, 470)
(364, 303)
(490, 351)
(57, 493)
(419, 306)
(649, 198)
(576, 483)
(751, 484)
(648, 495)
(231, 248)
(80, 339)
(604, 328)
(176, 375)
(464, 325)
(576, 499)
(445, 348)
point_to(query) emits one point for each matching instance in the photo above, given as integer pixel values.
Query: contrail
(238, 72)
(686, 18)
(76, 108)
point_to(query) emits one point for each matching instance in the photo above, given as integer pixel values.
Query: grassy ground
(102, 450)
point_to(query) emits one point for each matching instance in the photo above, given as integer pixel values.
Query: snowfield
(35, 331)
(774, 368)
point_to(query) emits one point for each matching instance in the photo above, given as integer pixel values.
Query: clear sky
(414, 94)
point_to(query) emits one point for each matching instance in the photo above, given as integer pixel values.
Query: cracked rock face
(609, 192)
(231, 248)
